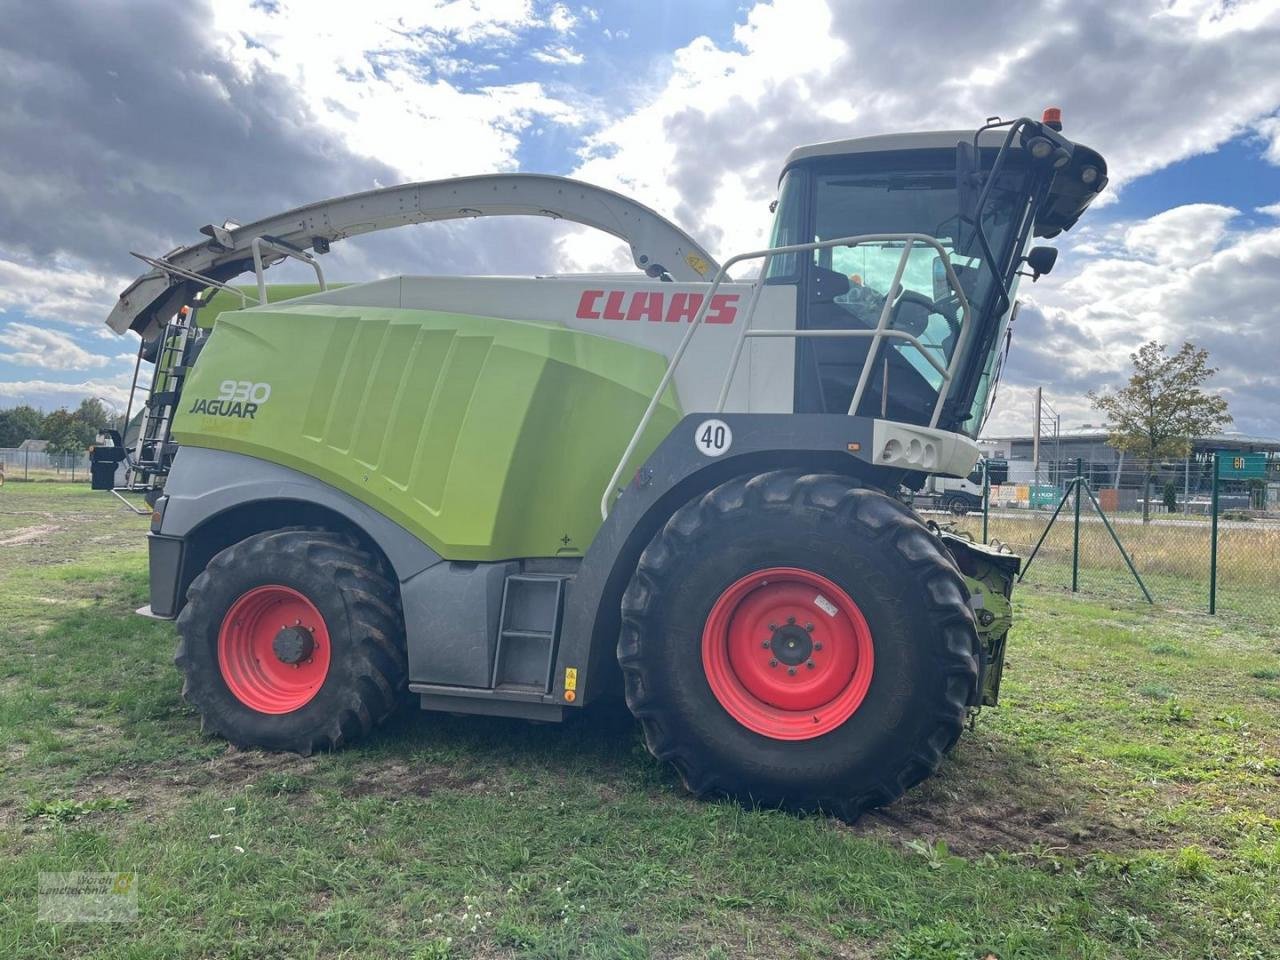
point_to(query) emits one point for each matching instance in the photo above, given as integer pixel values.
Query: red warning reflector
(1052, 118)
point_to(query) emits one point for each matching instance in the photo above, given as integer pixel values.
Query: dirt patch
(972, 829)
(154, 790)
(34, 534)
(399, 780)
(987, 799)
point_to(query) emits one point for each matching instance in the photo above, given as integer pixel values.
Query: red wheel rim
(787, 653)
(273, 649)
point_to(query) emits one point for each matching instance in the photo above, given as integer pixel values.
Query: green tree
(92, 413)
(1163, 407)
(18, 424)
(68, 433)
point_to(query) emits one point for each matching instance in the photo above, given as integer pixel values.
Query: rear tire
(292, 640)
(735, 724)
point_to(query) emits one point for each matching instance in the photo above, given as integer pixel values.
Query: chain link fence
(1170, 543)
(17, 463)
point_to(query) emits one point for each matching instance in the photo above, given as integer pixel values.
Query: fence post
(1213, 541)
(1075, 540)
(26, 466)
(986, 498)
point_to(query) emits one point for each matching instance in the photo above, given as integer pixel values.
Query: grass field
(1124, 801)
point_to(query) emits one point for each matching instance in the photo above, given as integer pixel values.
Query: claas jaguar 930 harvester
(515, 496)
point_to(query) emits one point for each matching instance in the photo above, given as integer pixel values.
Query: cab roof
(1068, 196)
(885, 142)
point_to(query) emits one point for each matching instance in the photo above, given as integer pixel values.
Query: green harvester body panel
(486, 438)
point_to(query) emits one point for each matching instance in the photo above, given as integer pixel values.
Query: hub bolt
(817, 646)
(791, 619)
(773, 663)
(773, 626)
(809, 627)
(766, 644)
(791, 671)
(809, 664)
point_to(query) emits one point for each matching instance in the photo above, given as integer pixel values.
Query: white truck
(960, 495)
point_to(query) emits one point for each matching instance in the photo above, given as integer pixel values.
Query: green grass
(1124, 801)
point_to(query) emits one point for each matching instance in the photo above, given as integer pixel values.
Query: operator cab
(981, 196)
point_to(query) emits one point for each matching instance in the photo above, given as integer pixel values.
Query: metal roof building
(1107, 466)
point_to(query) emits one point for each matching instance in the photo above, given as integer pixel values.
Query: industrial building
(1106, 467)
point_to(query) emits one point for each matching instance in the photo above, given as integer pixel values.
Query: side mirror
(1041, 261)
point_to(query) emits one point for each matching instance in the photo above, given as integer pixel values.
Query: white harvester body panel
(647, 313)
(911, 447)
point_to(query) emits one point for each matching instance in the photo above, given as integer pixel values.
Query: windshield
(890, 193)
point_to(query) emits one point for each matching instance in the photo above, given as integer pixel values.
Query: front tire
(799, 641)
(292, 640)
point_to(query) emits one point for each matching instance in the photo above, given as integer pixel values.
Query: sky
(124, 126)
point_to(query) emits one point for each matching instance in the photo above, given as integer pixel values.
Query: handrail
(881, 326)
(192, 275)
(284, 250)
(877, 335)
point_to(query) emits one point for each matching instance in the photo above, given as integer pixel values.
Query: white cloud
(562, 20)
(559, 55)
(31, 346)
(51, 394)
(1183, 235)
(375, 73)
(64, 291)
(1270, 210)
(1269, 130)
(668, 153)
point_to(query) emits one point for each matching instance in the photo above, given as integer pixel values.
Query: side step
(516, 660)
(528, 629)
(489, 703)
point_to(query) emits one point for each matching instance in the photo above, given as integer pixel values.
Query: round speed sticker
(713, 438)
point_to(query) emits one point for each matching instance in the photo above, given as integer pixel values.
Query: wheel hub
(293, 645)
(787, 653)
(791, 645)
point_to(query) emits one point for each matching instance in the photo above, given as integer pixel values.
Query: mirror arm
(1014, 127)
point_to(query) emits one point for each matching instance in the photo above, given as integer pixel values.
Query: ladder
(153, 450)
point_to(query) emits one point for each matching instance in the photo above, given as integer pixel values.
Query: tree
(68, 433)
(92, 413)
(1163, 407)
(18, 424)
